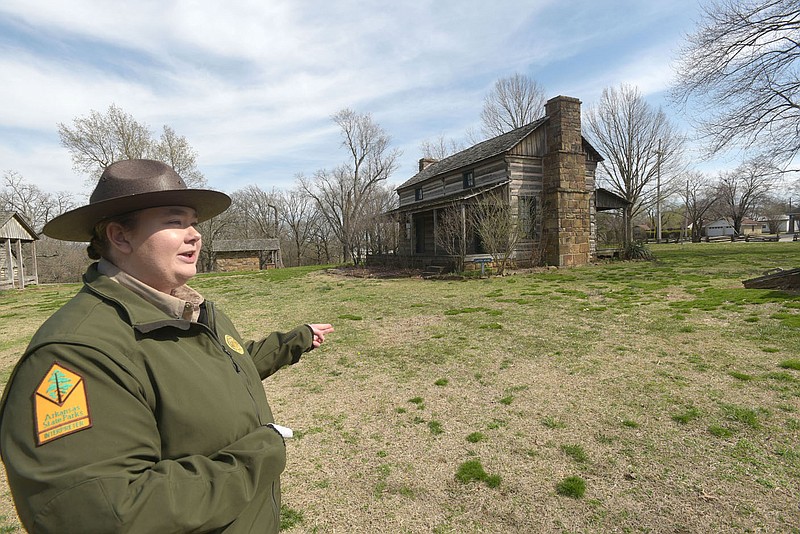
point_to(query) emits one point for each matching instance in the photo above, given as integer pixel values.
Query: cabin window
(469, 179)
(418, 193)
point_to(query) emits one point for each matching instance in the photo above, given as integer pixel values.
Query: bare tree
(60, 261)
(741, 191)
(440, 148)
(513, 102)
(211, 230)
(700, 197)
(740, 69)
(35, 205)
(256, 212)
(495, 225)
(642, 149)
(57, 261)
(175, 151)
(98, 140)
(773, 211)
(451, 230)
(323, 242)
(380, 233)
(299, 219)
(342, 194)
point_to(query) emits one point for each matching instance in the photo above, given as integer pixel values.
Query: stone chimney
(566, 198)
(425, 162)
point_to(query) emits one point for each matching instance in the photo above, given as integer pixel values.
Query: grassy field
(619, 397)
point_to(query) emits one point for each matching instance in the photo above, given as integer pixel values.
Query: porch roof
(605, 200)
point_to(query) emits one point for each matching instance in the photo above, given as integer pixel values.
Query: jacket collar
(183, 303)
(141, 314)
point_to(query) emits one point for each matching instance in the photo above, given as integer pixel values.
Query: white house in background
(782, 224)
(724, 227)
(787, 224)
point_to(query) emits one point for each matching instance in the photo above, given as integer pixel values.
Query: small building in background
(17, 251)
(723, 227)
(246, 254)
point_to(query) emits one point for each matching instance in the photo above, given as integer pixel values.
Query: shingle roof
(239, 245)
(481, 151)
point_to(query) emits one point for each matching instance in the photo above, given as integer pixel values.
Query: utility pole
(658, 193)
(275, 209)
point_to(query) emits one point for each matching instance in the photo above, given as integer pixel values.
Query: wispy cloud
(252, 84)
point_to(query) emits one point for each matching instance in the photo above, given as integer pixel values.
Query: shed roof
(13, 225)
(245, 245)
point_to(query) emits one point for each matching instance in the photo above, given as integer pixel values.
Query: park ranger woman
(138, 407)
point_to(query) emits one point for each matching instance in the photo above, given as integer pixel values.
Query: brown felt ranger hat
(131, 185)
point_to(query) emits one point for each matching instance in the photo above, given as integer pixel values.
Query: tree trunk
(627, 237)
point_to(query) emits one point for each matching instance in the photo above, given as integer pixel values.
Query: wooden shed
(246, 254)
(17, 251)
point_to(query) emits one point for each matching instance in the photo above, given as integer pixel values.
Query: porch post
(9, 263)
(463, 223)
(435, 230)
(35, 263)
(413, 235)
(20, 268)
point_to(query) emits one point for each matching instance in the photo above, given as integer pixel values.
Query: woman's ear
(118, 238)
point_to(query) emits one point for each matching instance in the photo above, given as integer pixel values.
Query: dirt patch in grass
(375, 272)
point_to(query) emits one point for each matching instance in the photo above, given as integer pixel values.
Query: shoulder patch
(60, 404)
(232, 343)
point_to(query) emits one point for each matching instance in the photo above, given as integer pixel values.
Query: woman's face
(162, 248)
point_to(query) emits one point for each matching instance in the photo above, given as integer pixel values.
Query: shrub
(637, 250)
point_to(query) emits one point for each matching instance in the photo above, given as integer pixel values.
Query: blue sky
(252, 84)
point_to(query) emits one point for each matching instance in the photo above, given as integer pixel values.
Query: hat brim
(78, 224)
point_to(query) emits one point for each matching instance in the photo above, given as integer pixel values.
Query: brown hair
(99, 245)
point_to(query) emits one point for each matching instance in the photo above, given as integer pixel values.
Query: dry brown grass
(604, 357)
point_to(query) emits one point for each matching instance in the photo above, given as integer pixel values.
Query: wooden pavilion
(18, 265)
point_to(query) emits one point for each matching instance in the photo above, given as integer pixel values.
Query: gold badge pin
(232, 343)
(60, 404)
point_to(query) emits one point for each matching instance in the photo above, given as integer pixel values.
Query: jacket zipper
(212, 326)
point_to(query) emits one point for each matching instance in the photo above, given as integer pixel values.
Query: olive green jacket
(178, 440)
